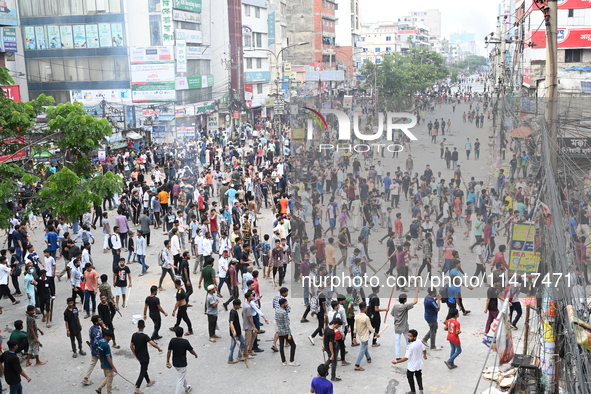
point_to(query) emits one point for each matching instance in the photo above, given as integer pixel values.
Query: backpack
(161, 258)
(110, 242)
(314, 304)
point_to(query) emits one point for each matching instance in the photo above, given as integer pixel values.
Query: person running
(415, 354)
(178, 348)
(139, 348)
(452, 326)
(153, 304)
(181, 306)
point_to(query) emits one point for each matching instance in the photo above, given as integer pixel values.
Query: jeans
(432, 333)
(240, 339)
(455, 352)
(363, 351)
(165, 271)
(88, 296)
(516, 306)
(225, 280)
(397, 343)
(411, 382)
(142, 260)
(157, 324)
(181, 383)
(16, 388)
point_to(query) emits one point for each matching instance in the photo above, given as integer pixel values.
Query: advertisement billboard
(187, 5)
(8, 41)
(8, 16)
(151, 73)
(524, 255)
(181, 56)
(12, 92)
(153, 92)
(190, 36)
(139, 55)
(184, 16)
(94, 97)
(567, 38)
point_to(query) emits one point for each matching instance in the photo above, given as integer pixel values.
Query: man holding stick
(415, 361)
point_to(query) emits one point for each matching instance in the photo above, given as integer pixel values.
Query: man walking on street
(363, 329)
(181, 306)
(107, 365)
(415, 353)
(400, 314)
(153, 303)
(330, 347)
(139, 348)
(284, 332)
(432, 304)
(178, 348)
(96, 334)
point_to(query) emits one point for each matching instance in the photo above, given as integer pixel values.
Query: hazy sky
(478, 17)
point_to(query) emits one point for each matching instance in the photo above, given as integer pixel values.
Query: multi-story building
(348, 36)
(11, 50)
(378, 39)
(429, 18)
(319, 31)
(465, 41)
(574, 48)
(157, 51)
(257, 75)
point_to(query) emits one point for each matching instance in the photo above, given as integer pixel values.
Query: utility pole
(503, 46)
(551, 16)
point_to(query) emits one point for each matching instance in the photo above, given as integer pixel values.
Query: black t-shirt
(140, 341)
(104, 311)
(179, 347)
(584, 219)
(493, 294)
(43, 289)
(12, 368)
(153, 303)
(328, 338)
(185, 268)
(122, 274)
(181, 295)
(235, 318)
(391, 249)
(374, 301)
(71, 316)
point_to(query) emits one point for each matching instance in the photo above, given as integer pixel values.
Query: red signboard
(12, 92)
(572, 4)
(567, 38)
(17, 155)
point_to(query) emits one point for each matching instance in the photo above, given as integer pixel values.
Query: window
(74, 69)
(246, 10)
(259, 63)
(249, 63)
(573, 55)
(378, 60)
(257, 12)
(154, 5)
(388, 38)
(257, 40)
(362, 39)
(388, 49)
(259, 88)
(155, 30)
(571, 13)
(377, 49)
(247, 41)
(29, 8)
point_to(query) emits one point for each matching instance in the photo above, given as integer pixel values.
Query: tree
(71, 190)
(399, 77)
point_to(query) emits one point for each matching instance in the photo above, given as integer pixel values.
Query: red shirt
(453, 331)
(500, 256)
(213, 223)
(320, 245)
(398, 227)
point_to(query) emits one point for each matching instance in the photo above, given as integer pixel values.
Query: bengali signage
(151, 55)
(153, 92)
(190, 36)
(567, 38)
(185, 132)
(257, 76)
(575, 147)
(94, 97)
(8, 15)
(167, 23)
(524, 253)
(159, 132)
(152, 73)
(181, 56)
(271, 28)
(8, 39)
(188, 5)
(184, 16)
(196, 82)
(199, 53)
(184, 111)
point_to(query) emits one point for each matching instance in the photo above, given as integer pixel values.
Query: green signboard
(187, 5)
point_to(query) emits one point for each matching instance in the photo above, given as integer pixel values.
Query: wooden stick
(383, 265)
(244, 356)
(383, 329)
(389, 303)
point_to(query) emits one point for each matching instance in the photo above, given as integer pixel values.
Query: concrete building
(257, 75)
(429, 18)
(319, 31)
(348, 36)
(378, 39)
(11, 51)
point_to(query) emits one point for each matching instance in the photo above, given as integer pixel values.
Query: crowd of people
(211, 200)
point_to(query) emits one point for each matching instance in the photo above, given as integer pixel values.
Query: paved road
(266, 374)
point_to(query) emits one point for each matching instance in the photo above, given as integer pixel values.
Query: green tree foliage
(64, 194)
(73, 189)
(399, 77)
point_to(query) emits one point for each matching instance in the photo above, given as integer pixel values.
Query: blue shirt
(104, 350)
(573, 226)
(95, 336)
(321, 385)
(387, 182)
(500, 181)
(439, 238)
(52, 238)
(430, 309)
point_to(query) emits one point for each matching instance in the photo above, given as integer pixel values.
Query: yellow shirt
(163, 196)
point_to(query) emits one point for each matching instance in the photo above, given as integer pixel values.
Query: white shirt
(61, 229)
(206, 246)
(140, 246)
(85, 258)
(199, 244)
(224, 244)
(394, 188)
(414, 354)
(175, 245)
(50, 266)
(222, 267)
(116, 241)
(4, 274)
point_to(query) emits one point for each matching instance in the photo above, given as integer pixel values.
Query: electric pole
(551, 16)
